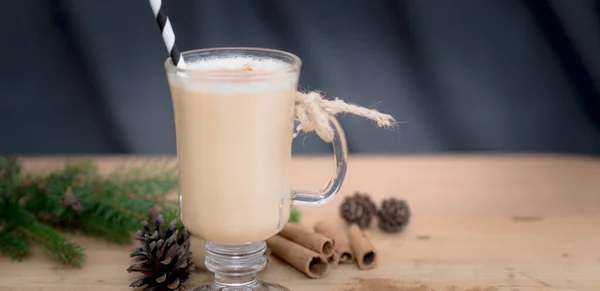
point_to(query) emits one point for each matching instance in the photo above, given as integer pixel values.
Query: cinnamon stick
(334, 260)
(304, 260)
(310, 240)
(365, 253)
(342, 247)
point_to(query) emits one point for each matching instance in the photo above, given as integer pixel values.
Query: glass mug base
(262, 286)
(235, 267)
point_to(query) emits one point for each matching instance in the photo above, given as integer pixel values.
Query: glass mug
(234, 130)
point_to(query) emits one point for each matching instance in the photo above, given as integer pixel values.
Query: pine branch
(9, 177)
(14, 243)
(12, 238)
(96, 228)
(120, 212)
(113, 222)
(51, 241)
(152, 181)
(93, 226)
(117, 212)
(77, 198)
(106, 203)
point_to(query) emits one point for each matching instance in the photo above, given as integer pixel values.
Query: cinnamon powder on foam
(244, 68)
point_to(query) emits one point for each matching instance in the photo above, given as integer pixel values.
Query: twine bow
(313, 111)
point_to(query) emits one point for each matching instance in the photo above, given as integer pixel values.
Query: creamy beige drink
(234, 124)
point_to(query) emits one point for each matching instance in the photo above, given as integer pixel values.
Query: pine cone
(393, 215)
(164, 257)
(70, 201)
(366, 199)
(355, 210)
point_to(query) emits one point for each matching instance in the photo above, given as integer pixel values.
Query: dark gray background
(86, 76)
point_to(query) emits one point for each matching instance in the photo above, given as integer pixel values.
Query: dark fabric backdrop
(86, 76)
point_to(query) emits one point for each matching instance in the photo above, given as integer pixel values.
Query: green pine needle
(14, 244)
(294, 215)
(97, 227)
(172, 214)
(53, 243)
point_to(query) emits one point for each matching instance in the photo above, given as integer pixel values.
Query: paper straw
(168, 34)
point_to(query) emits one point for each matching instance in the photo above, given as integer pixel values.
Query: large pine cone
(164, 257)
(393, 215)
(358, 209)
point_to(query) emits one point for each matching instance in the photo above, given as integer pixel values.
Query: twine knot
(313, 112)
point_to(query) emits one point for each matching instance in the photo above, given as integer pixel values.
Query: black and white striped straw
(168, 34)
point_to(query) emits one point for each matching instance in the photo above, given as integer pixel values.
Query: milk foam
(238, 65)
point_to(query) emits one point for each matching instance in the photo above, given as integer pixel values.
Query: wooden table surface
(515, 222)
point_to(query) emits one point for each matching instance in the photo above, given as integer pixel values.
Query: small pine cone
(366, 199)
(393, 215)
(70, 201)
(355, 211)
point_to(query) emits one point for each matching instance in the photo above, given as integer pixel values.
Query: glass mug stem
(236, 266)
(340, 154)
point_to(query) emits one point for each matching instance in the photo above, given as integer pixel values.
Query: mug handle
(340, 155)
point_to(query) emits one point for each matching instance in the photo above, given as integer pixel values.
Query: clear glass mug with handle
(234, 123)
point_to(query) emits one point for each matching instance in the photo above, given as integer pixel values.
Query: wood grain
(514, 222)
